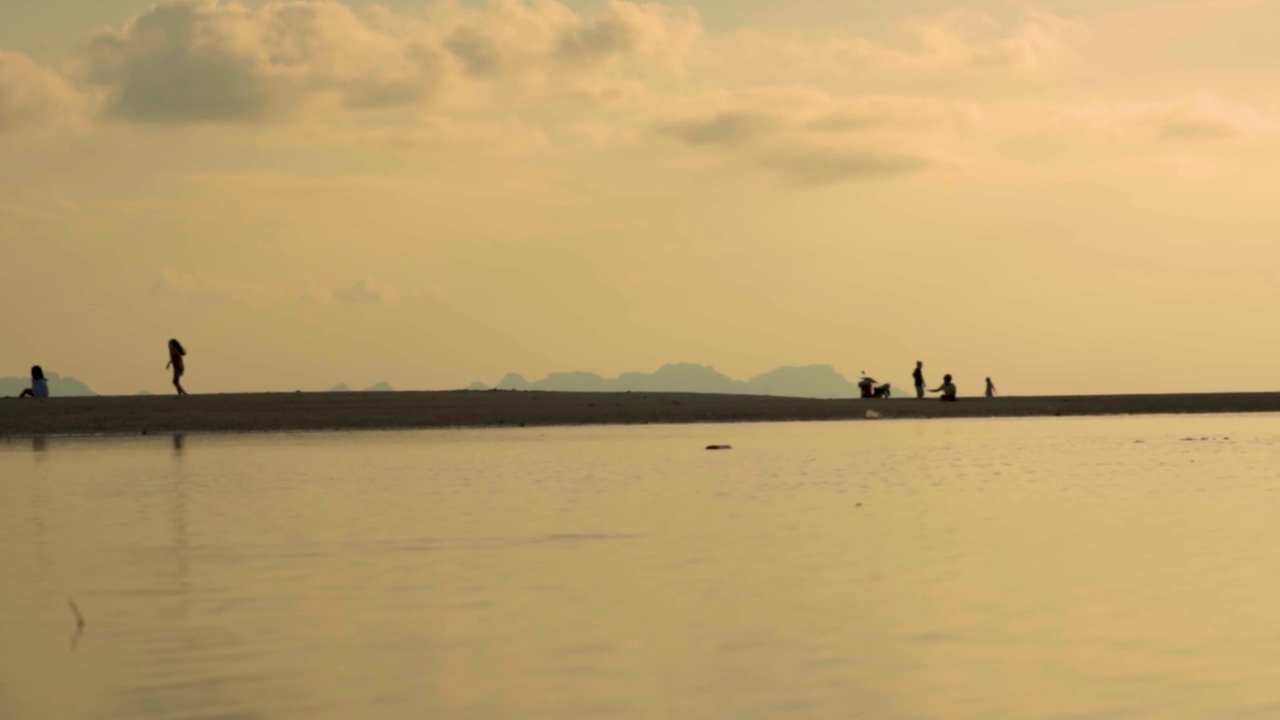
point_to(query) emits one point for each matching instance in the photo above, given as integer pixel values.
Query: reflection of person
(39, 386)
(948, 388)
(918, 376)
(991, 388)
(176, 353)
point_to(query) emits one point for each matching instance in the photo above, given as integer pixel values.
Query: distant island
(58, 386)
(376, 387)
(809, 381)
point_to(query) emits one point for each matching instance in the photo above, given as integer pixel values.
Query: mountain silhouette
(814, 381)
(383, 386)
(58, 386)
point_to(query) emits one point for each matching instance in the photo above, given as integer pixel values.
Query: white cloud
(34, 96)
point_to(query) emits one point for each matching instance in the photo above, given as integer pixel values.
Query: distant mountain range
(376, 387)
(812, 381)
(58, 386)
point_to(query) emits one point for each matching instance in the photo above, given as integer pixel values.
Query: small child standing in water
(39, 386)
(176, 353)
(991, 388)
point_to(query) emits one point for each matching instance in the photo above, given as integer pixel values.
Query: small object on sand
(719, 447)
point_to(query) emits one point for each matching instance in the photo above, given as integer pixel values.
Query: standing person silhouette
(918, 376)
(991, 388)
(176, 353)
(39, 386)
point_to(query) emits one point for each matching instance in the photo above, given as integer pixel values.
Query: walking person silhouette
(176, 355)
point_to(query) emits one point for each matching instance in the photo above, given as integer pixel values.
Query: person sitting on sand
(176, 353)
(866, 385)
(991, 388)
(948, 389)
(39, 386)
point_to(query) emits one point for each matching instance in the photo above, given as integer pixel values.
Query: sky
(1069, 196)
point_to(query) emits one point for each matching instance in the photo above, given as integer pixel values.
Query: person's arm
(166, 365)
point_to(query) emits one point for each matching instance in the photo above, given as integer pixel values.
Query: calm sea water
(1057, 568)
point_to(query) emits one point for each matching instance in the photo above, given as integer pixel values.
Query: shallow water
(1050, 568)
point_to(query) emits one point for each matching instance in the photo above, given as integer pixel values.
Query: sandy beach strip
(455, 409)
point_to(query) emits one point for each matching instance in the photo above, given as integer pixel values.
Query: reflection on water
(941, 569)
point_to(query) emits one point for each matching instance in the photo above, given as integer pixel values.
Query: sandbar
(303, 411)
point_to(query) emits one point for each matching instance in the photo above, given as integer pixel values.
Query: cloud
(34, 96)
(1038, 40)
(204, 61)
(432, 292)
(207, 61)
(1206, 116)
(811, 138)
(177, 284)
(818, 167)
(1202, 117)
(365, 292)
(723, 128)
(663, 35)
(967, 38)
(519, 77)
(951, 42)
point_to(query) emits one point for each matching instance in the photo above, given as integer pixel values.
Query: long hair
(37, 372)
(175, 345)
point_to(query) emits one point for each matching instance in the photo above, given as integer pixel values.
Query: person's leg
(177, 377)
(26, 393)
(919, 392)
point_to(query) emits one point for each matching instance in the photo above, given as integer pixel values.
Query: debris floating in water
(76, 611)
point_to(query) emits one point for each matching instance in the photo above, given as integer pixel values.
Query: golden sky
(1072, 196)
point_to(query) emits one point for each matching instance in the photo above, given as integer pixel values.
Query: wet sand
(402, 410)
